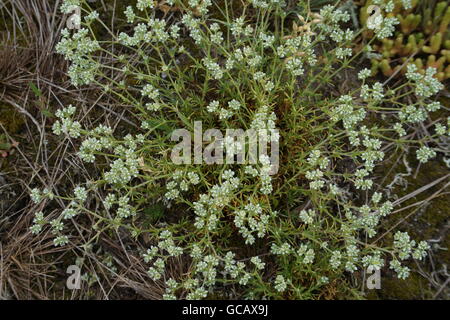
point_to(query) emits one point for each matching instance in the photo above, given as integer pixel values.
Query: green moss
(425, 223)
(392, 288)
(10, 119)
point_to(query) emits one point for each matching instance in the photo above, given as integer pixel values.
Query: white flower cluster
(412, 114)
(407, 4)
(251, 220)
(38, 222)
(94, 15)
(150, 91)
(425, 85)
(264, 174)
(330, 19)
(375, 22)
(405, 246)
(364, 74)
(347, 112)
(245, 56)
(237, 28)
(159, 254)
(315, 176)
(213, 68)
(125, 209)
(342, 53)
(263, 80)
(76, 49)
(264, 4)
(144, 4)
(316, 160)
(209, 206)
(384, 27)
(205, 271)
(130, 14)
(80, 194)
(236, 269)
(216, 34)
(200, 5)
(306, 254)
(373, 261)
(307, 216)
(280, 283)
(65, 124)
(180, 183)
(335, 260)
(264, 119)
(374, 94)
(341, 36)
(57, 224)
(123, 171)
(290, 49)
(295, 66)
(368, 220)
(68, 6)
(425, 153)
(224, 113)
(193, 26)
(440, 129)
(88, 149)
(402, 271)
(352, 257)
(37, 196)
(61, 241)
(264, 123)
(282, 250)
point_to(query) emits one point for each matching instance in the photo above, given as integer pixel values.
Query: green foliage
(295, 234)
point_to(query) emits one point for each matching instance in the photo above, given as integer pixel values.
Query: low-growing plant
(257, 64)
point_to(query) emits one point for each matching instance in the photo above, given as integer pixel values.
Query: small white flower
(425, 153)
(280, 283)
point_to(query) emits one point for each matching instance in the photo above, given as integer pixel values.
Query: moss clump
(391, 288)
(10, 119)
(428, 222)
